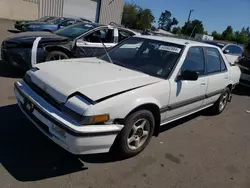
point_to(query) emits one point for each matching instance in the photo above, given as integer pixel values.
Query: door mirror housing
(226, 51)
(188, 75)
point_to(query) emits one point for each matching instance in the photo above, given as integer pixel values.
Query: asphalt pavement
(200, 151)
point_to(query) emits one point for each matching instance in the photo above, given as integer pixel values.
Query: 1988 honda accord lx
(122, 98)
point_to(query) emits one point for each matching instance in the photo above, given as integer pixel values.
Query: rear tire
(220, 105)
(136, 134)
(56, 55)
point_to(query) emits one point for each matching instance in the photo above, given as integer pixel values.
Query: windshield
(44, 19)
(74, 31)
(56, 20)
(152, 57)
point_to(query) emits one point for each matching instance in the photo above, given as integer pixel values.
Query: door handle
(226, 77)
(203, 84)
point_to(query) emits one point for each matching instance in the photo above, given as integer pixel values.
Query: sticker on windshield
(170, 49)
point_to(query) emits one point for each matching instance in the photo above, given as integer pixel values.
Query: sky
(215, 14)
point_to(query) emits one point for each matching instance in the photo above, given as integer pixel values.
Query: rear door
(217, 72)
(91, 45)
(187, 96)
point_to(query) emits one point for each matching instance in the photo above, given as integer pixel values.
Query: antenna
(192, 32)
(110, 60)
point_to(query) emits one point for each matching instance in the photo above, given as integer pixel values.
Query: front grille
(41, 93)
(44, 127)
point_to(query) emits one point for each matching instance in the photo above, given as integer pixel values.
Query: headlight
(85, 120)
(34, 26)
(91, 120)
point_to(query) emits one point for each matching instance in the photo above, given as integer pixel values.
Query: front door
(187, 96)
(94, 44)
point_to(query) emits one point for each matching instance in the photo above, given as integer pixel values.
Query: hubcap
(138, 134)
(223, 101)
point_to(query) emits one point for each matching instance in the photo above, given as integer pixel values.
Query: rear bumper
(63, 131)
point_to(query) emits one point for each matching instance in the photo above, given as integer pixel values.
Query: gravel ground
(198, 151)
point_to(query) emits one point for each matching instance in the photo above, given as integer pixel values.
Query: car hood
(38, 23)
(92, 77)
(29, 37)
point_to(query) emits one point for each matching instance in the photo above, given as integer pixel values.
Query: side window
(105, 35)
(194, 61)
(215, 62)
(124, 34)
(234, 49)
(68, 23)
(222, 65)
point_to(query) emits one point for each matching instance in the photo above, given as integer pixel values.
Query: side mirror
(226, 51)
(188, 75)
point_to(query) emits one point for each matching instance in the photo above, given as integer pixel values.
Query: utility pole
(190, 12)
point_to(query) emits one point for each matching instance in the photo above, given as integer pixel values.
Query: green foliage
(165, 21)
(240, 37)
(136, 17)
(176, 30)
(194, 27)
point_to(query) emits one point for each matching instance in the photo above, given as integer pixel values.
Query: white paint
(77, 75)
(34, 51)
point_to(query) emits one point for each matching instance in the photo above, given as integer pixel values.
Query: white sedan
(122, 99)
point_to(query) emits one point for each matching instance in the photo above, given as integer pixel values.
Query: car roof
(174, 40)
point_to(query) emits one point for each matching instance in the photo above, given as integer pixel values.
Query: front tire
(56, 55)
(136, 134)
(220, 105)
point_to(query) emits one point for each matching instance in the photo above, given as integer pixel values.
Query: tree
(129, 16)
(241, 37)
(248, 32)
(228, 34)
(165, 21)
(145, 19)
(136, 17)
(194, 27)
(176, 30)
(216, 35)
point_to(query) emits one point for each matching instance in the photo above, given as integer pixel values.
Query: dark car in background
(52, 25)
(78, 40)
(19, 24)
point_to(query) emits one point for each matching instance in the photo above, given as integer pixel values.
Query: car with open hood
(79, 40)
(122, 98)
(20, 23)
(52, 25)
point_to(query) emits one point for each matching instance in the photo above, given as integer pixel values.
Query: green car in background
(19, 24)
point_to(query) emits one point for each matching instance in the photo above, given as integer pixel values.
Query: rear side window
(232, 49)
(215, 62)
(194, 61)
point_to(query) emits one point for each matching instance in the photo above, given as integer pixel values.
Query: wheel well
(230, 86)
(57, 48)
(154, 109)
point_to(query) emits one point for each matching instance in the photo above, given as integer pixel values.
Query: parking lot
(198, 151)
